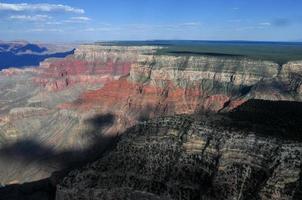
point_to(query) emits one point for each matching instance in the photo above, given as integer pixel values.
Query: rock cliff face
(53, 117)
(233, 77)
(175, 85)
(192, 157)
(291, 72)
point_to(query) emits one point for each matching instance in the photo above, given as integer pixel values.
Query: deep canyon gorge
(123, 122)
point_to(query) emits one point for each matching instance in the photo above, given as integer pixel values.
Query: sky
(103, 20)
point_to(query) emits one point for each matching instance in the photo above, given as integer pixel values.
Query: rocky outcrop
(233, 77)
(291, 73)
(91, 64)
(58, 75)
(193, 157)
(167, 85)
(239, 71)
(99, 53)
(230, 79)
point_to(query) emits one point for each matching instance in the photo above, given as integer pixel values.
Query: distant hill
(22, 54)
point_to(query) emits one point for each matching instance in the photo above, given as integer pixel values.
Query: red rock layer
(58, 75)
(132, 101)
(133, 96)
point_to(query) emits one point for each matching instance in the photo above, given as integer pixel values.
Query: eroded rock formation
(65, 106)
(193, 157)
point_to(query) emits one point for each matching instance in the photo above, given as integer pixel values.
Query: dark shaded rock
(192, 157)
(39, 190)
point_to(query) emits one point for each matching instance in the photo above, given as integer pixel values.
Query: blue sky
(98, 20)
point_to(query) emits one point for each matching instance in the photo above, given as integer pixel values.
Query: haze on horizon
(95, 20)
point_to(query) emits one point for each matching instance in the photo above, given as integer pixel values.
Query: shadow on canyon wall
(282, 120)
(31, 151)
(274, 119)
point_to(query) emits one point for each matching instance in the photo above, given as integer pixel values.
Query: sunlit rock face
(65, 105)
(166, 85)
(292, 73)
(89, 64)
(239, 71)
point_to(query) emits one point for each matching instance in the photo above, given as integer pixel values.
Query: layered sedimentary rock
(99, 53)
(63, 106)
(291, 72)
(32, 120)
(187, 157)
(167, 85)
(233, 77)
(90, 64)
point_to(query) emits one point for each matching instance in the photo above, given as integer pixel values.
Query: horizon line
(152, 40)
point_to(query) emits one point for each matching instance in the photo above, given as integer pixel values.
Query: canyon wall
(64, 107)
(165, 85)
(183, 157)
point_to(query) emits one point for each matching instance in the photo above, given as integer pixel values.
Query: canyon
(118, 122)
